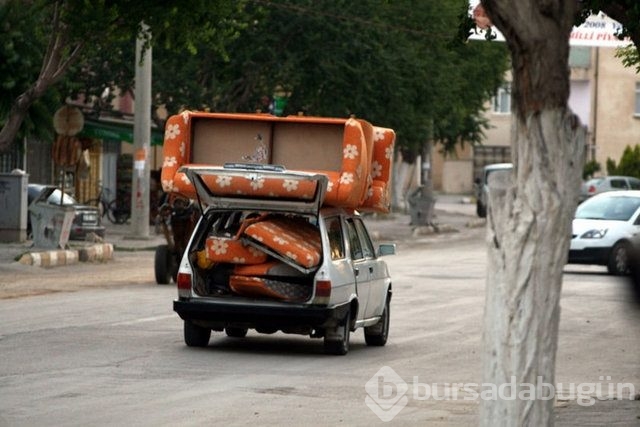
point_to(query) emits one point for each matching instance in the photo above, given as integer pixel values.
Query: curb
(95, 253)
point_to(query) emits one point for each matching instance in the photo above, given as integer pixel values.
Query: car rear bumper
(283, 316)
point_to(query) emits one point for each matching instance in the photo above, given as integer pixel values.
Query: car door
(367, 270)
(360, 265)
(376, 272)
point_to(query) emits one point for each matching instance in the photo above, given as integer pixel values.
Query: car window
(365, 240)
(634, 184)
(355, 247)
(608, 208)
(618, 183)
(336, 241)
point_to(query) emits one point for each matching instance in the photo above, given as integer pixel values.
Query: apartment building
(605, 95)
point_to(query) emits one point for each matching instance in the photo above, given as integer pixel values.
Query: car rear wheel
(338, 342)
(481, 210)
(236, 332)
(162, 265)
(196, 336)
(619, 259)
(377, 334)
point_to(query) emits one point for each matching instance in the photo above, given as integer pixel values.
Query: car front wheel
(377, 334)
(196, 336)
(619, 259)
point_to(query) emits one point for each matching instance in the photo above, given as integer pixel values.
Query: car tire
(196, 336)
(236, 332)
(340, 346)
(481, 210)
(377, 334)
(618, 264)
(162, 265)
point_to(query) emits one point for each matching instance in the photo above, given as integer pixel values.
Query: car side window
(365, 240)
(355, 247)
(618, 183)
(634, 184)
(336, 241)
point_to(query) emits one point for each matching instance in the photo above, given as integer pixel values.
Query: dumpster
(421, 206)
(50, 224)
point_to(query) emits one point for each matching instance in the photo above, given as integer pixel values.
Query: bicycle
(117, 210)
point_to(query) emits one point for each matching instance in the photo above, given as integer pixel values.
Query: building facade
(605, 95)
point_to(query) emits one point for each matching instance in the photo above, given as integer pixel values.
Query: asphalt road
(101, 345)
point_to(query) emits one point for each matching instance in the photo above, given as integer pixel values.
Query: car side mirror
(386, 249)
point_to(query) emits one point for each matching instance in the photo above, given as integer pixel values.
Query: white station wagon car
(605, 228)
(278, 261)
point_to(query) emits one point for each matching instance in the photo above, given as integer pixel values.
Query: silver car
(608, 183)
(278, 261)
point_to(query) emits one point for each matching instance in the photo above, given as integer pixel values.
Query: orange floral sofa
(355, 155)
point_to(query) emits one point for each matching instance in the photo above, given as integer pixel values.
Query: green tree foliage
(65, 38)
(629, 163)
(393, 63)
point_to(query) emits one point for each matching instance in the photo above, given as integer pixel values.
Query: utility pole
(141, 138)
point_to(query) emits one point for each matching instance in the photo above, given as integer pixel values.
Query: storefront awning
(100, 129)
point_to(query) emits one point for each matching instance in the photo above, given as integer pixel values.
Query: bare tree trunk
(529, 218)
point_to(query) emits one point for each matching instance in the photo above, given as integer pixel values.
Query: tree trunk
(529, 218)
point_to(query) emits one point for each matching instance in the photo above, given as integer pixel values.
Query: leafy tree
(67, 33)
(590, 168)
(629, 163)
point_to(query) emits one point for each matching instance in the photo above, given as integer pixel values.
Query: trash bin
(50, 224)
(421, 204)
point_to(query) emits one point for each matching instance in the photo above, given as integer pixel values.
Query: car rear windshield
(619, 208)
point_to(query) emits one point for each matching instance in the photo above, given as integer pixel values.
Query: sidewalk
(453, 213)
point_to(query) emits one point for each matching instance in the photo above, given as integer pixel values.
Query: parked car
(604, 229)
(278, 261)
(608, 183)
(482, 186)
(86, 219)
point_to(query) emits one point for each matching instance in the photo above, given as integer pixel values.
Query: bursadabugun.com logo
(388, 393)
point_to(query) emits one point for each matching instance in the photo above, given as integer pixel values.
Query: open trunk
(259, 236)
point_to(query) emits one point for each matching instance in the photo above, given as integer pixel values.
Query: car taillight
(184, 281)
(323, 291)
(591, 189)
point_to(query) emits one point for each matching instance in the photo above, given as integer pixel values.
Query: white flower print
(329, 186)
(185, 116)
(370, 193)
(183, 149)
(255, 251)
(350, 151)
(290, 185)
(388, 152)
(239, 260)
(185, 179)
(169, 162)
(223, 181)
(279, 240)
(167, 185)
(378, 135)
(256, 185)
(376, 169)
(346, 178)
(219, 247)
(291, 255)
(172, 131)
